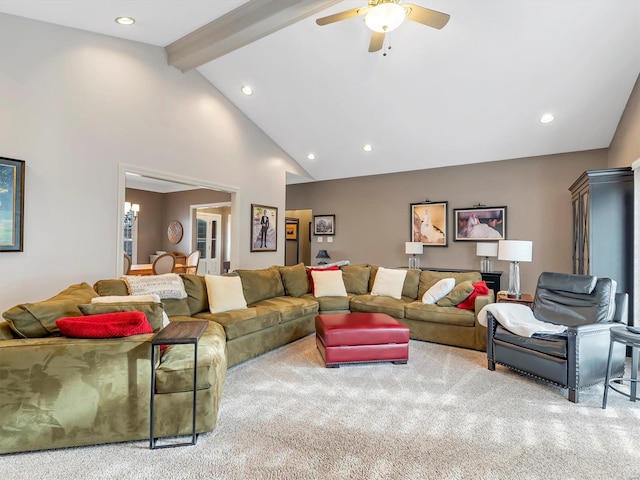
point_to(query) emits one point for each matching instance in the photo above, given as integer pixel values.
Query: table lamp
(486, 250)
(413, 249)
(515, 251)
(322, 255)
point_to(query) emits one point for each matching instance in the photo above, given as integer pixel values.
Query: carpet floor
(441, 416)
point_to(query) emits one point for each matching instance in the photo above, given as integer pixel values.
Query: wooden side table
(525, 299)
(174, 334)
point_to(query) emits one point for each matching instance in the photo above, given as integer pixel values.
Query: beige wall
(373, 219)
(625, 146)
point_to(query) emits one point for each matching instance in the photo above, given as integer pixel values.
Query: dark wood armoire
(603, 226)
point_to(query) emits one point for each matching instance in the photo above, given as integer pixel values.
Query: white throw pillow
(328, 283)
(389, 282)
(440, 290)
(167, 285)
(224, 293)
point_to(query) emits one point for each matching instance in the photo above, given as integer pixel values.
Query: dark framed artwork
(324, 224)
(264, 228)
(480, 224)
(291, 229)
(429, 224)
(11, 204)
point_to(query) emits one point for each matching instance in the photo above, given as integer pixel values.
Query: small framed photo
(324, 224)
(11, 205)
(429, 224)
(480, 224)
(291, 229)
(264, 228)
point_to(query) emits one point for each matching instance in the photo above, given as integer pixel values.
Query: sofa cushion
(459, 293)
(435, 314)
(152, 310)
(261, 284)
(237, 323)
(411, 283)
(295, 280)
(111, 287)
(106, 325)
(35, 320)
(225, 293)
(356, 278)
(197, 298)
(378, 304)
(328, 283)
(428, 278)
(389, 282)
(330, 304)
(438, 290)
(291, 308)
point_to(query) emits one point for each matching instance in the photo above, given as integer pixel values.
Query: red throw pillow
(105, 325)
(479, 288)
(319, 269)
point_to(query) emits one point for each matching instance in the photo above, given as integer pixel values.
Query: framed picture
(291, 229)
(429, 224)
(264, 228)
(324, 224)
(480, 224)
(11, 205)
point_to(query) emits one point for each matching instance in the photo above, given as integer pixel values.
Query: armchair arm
(588, 352)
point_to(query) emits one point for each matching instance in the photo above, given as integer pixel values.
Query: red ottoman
(361, 337)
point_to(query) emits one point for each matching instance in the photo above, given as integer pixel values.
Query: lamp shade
(515, 250)
(487, 249)
(413, 248)
(322, 254)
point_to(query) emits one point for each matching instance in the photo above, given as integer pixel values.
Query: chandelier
(130, 214)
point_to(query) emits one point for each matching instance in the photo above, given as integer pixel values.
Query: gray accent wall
(373, 213)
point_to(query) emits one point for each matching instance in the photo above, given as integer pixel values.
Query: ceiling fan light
(385, 17)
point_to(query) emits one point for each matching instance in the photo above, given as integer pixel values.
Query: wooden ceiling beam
(247, 23)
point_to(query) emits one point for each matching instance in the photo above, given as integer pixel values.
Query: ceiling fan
(383, 16)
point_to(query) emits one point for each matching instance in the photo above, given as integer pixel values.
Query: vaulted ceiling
(471, 92)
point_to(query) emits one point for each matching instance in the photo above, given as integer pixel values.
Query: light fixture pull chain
(388, 45)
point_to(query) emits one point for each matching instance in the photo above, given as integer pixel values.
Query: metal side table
(176, 333)
(630, 339)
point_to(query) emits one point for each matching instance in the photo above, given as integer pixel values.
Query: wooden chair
(127, 264)
(163, 264)
(192, 262)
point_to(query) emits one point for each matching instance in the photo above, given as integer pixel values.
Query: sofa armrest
(480, 331)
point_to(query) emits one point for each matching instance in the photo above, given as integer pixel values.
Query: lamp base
(414, 262)
(514, 295)
(514, 280)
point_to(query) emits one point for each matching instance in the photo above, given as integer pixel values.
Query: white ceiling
(471, 92)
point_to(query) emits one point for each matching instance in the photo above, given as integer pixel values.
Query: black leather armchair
(577, 359)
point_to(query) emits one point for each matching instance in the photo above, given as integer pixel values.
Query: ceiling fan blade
(377, 40)
(426, 16)
(336, 17)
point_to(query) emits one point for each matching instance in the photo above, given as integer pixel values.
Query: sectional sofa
(61, 392)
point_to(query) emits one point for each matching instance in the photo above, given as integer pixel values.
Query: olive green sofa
(61, 392)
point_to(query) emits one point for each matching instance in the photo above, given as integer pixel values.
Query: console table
(492, 279)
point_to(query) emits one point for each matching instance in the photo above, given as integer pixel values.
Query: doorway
(208, 241)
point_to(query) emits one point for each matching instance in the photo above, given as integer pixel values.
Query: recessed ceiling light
(367, 148)
(125, 20)
(246, 89)
(547, 118)
(311, 156)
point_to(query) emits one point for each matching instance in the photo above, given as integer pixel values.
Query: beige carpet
(442, 416)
